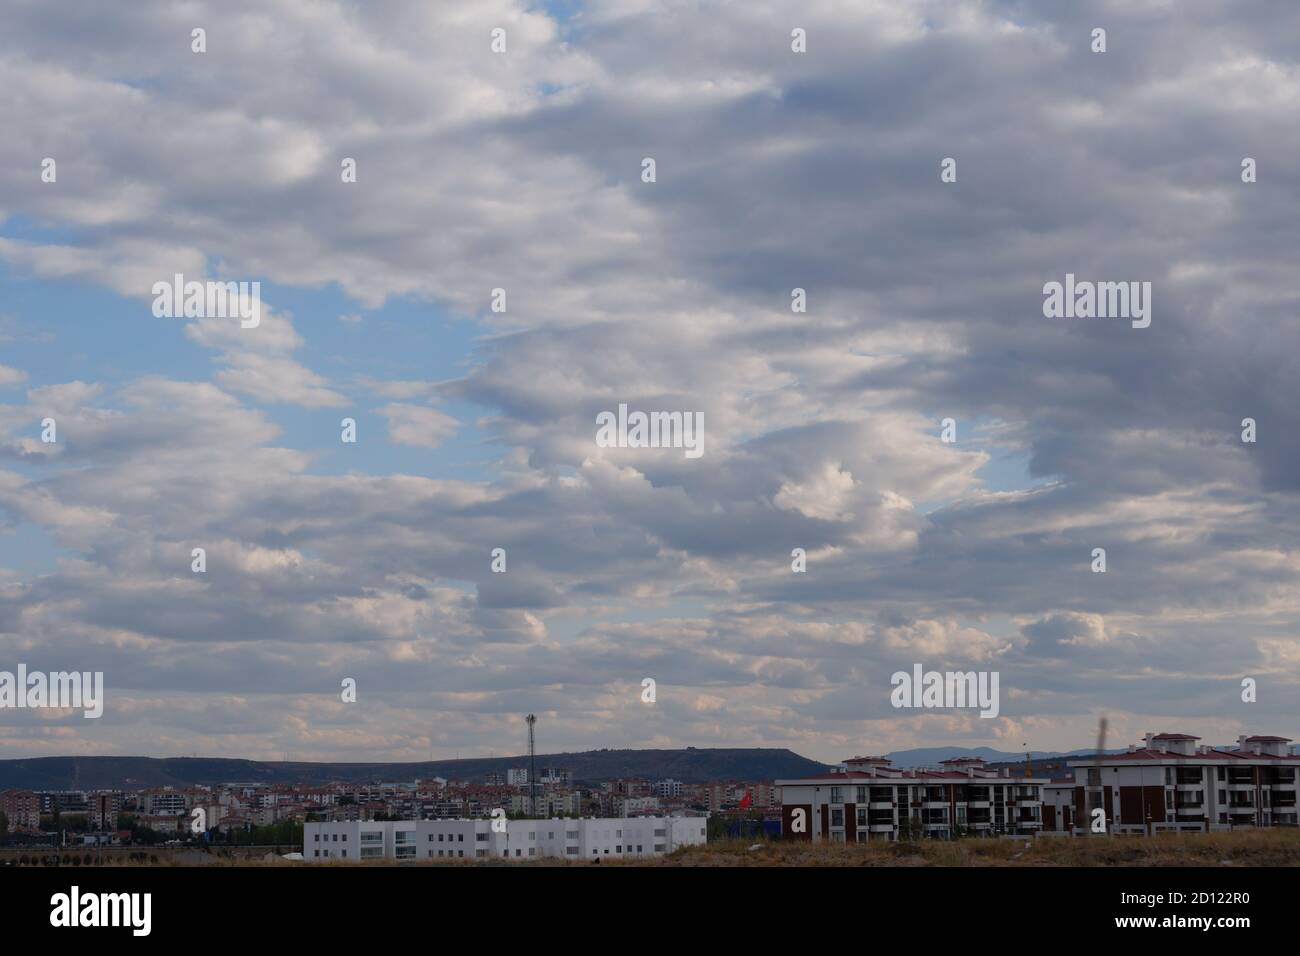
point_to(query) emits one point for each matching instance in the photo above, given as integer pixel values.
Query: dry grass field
(1248, 848)
(1278, 847)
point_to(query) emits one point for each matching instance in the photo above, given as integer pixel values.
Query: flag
(746, 800)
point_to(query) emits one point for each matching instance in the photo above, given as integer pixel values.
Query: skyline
(478, 417)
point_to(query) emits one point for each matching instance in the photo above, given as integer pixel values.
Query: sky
(476, 429)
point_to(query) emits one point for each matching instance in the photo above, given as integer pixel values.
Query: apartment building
(22, 808)
(869, 799)
(667, 789)
(104, 807)
(591, 838)
(1171, 782)
(163, 802)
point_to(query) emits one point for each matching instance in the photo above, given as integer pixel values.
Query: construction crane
(532, 767)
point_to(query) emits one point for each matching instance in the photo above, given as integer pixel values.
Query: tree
(4, 826)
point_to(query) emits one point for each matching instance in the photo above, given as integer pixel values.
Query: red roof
(1212, 755)
(1283, 739)
(1174, 737)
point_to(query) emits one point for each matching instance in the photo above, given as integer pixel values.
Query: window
(460, 838)
(862, 816)
(458, 852)
(481, 837)
(837, 817)
(316, 837)
(659, 847)
(316, 853)
(571, 850)
(532, 851)
(638, 848)
(837, 794)
(345, 852)
(862, 795)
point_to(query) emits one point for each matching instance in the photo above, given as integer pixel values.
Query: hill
(692, 765)
(932, 756)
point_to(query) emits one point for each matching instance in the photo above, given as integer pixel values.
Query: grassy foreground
(1273, 847)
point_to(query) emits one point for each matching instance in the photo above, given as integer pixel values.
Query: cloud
(417, 425)
(775, 170)
(11, 376)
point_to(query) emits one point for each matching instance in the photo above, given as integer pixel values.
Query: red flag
(746, 800)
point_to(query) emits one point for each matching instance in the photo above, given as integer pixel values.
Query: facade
(104, 808)
(22, 808)
(667, 789)
(591, 838)
(1169, 782)
(869, 799)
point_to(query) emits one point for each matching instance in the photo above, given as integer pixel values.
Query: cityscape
(1167, 783)
(728, 442)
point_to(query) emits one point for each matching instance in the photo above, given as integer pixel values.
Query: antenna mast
(532, 767)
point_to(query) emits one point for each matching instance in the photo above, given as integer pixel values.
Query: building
(164, 802)
(104, 806)
(667, 789)
(1170, 782)
(22, 808)
(517, 777)
(590, 838)
(869, 799)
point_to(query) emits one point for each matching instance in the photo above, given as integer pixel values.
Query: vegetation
(1272, 847)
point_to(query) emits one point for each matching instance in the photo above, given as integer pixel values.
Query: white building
(869, 799)
(667, 789)
(517, 777)
(591, 838)
(1169, 782)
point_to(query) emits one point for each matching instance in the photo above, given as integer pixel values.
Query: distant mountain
(932, 756)
(692, 765)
